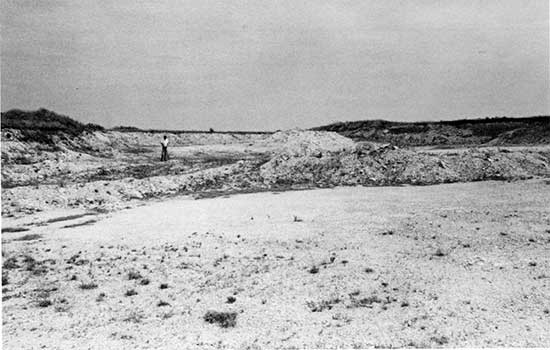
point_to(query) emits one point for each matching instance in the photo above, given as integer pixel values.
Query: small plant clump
(223, 319)
(100, 297)
(44, 303)
(442, 340)
(134, 275)
(439, 252)
(90, 285)
(10, 263)
(322, 305)
(130, 292)
(163, 285)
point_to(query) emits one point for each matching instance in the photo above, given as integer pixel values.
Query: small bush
(439, 252)
(134, 275)
(365, 302)
(87, 286)
(44, 303)
(223, 319)
(130, 292)
(163, 285)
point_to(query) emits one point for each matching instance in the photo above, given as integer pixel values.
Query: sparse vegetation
(84, 223)
(440, 340)
(134, 317)
(66, 218)
(322, 305)
(365, 302)
(14, 229)
(502, 130)
(39, 125)
(29, 237)
(10, 263)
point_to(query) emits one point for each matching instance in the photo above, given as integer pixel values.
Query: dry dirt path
(446, 265)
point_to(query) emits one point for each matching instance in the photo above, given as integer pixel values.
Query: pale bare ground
(448, 265)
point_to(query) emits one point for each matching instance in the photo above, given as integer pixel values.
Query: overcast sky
(267, 64)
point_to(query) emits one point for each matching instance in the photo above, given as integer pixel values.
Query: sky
(274, 64)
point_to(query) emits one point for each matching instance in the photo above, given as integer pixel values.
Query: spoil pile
(372, 164)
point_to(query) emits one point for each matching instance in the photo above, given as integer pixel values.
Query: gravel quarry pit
(103, 246)
(450, 265)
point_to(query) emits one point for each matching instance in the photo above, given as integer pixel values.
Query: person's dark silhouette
(164, 153)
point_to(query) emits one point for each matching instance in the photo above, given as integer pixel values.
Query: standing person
(164, 154)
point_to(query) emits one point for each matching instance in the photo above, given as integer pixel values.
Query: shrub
(130, 292)
(90, 285)
(223, 319)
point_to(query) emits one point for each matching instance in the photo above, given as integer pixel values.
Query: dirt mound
(301, 142)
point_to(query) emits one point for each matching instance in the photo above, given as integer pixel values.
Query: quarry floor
(464, 264)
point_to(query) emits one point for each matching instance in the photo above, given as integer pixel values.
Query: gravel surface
(447, 265)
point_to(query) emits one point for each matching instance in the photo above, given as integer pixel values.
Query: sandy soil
(445, 265)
